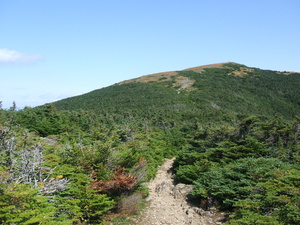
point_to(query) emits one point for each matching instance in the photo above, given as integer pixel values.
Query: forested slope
(233, 89)
(79, 159)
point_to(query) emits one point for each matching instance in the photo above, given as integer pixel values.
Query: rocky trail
(168, 203)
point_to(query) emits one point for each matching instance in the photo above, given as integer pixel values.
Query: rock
(148, 199)
(208, 213)
(183, 189)
(186, 190)
(160, 187)
(199, 211)
(180, 186)
(176, 194)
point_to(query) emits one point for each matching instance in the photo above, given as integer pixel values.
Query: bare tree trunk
(25, 165)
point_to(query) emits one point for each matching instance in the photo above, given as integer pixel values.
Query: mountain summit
(168, 75)
(223, 88)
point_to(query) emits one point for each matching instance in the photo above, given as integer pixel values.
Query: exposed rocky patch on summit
(180, 82)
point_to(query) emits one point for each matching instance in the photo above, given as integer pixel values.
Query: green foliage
(249, 218)
(70, 197)
(248, 138)
(218, 94)
(278, 198)
(84, 202)
(250, 168)
(257, 92)
(231, 134)
(231, 183)
(21, 204)
(45, 121)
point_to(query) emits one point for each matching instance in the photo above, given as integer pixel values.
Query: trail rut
(168, 205)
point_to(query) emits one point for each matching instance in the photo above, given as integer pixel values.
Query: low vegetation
(250, 169)
(234, 131)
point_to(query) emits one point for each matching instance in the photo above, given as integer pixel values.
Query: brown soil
(199, 69)
(242, 72)
(165, 76)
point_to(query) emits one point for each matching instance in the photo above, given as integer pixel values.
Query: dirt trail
(168, 205)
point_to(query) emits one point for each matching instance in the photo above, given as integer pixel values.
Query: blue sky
(55, 49)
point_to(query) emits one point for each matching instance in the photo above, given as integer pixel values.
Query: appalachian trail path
(168, 204)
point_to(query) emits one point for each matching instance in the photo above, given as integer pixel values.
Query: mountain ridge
(167, 74)
(198, 69)
(226, 88)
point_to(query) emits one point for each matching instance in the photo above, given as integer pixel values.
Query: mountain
(233, 131)
(207, 91)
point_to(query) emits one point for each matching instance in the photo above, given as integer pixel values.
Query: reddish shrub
(118, 184)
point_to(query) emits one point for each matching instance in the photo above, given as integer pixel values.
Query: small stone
(149, 198)
(180, 186)
(199, 211)
(208, 213)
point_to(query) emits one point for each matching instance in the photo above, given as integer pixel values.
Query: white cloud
(11, 56)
